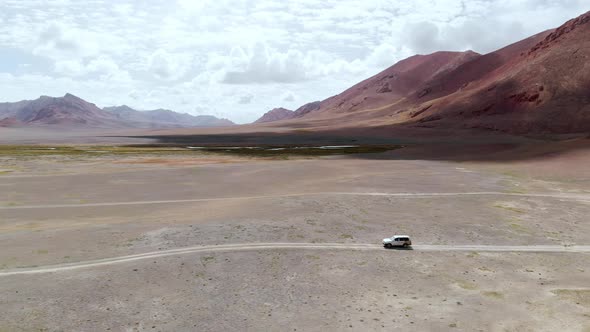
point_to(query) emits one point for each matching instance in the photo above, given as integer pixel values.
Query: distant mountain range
(70, 111)
(535, 86)
(166, 118)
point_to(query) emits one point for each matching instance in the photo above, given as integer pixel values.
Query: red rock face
(561, 31)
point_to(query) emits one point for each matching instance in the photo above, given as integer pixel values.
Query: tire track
(292, 246)
(572, 197)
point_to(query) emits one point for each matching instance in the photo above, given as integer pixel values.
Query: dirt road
(572, 197)
(299, 246)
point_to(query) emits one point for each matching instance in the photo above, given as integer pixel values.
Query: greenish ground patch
(466, 285)
(87, 151)
(271, 152)
(300, 151)
(494, 294)
(509, 208)
(520, 228)
(207, 259)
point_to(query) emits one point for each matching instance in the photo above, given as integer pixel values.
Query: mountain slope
(307, 108)
(544, 89)
(535, 86)
(394, 83)
(276, 114)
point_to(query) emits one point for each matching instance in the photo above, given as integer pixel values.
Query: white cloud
(288, 96)
(212, 55)
(102, 67)
(62, 41)
(168, 66)
(245, 99)
(261, 64)
(70, 68)
(265, 65)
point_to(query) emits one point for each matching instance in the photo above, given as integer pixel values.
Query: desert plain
(95, 236)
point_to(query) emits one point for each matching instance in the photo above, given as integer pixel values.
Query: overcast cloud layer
(238, 59)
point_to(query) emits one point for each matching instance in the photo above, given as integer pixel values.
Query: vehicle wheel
(388, 245)
(405, 245)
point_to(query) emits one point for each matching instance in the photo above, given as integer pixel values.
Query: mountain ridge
(71, 111)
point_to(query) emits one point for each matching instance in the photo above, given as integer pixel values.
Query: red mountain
(538, 85)
(541, 88)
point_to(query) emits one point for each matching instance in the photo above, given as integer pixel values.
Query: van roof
(400, 236)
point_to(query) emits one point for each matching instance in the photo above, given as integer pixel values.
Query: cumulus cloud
(288, 97)
(205, 52)
(427, 37)
(102, 67)
(69, 68)
(61, 41)
(245, 99)
(264, 65)
(168, 66)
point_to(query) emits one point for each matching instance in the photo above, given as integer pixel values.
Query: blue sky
(238, 59)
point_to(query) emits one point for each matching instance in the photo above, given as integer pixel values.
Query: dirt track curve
(300, 246)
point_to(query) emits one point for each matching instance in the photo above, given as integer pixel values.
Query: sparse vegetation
(466, 285)
(519, 228)
(207, 259)
(509, 208)
(493, 294)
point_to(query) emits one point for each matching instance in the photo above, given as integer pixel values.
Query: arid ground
(88, 241)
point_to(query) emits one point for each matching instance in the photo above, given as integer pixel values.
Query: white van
(397, 241)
